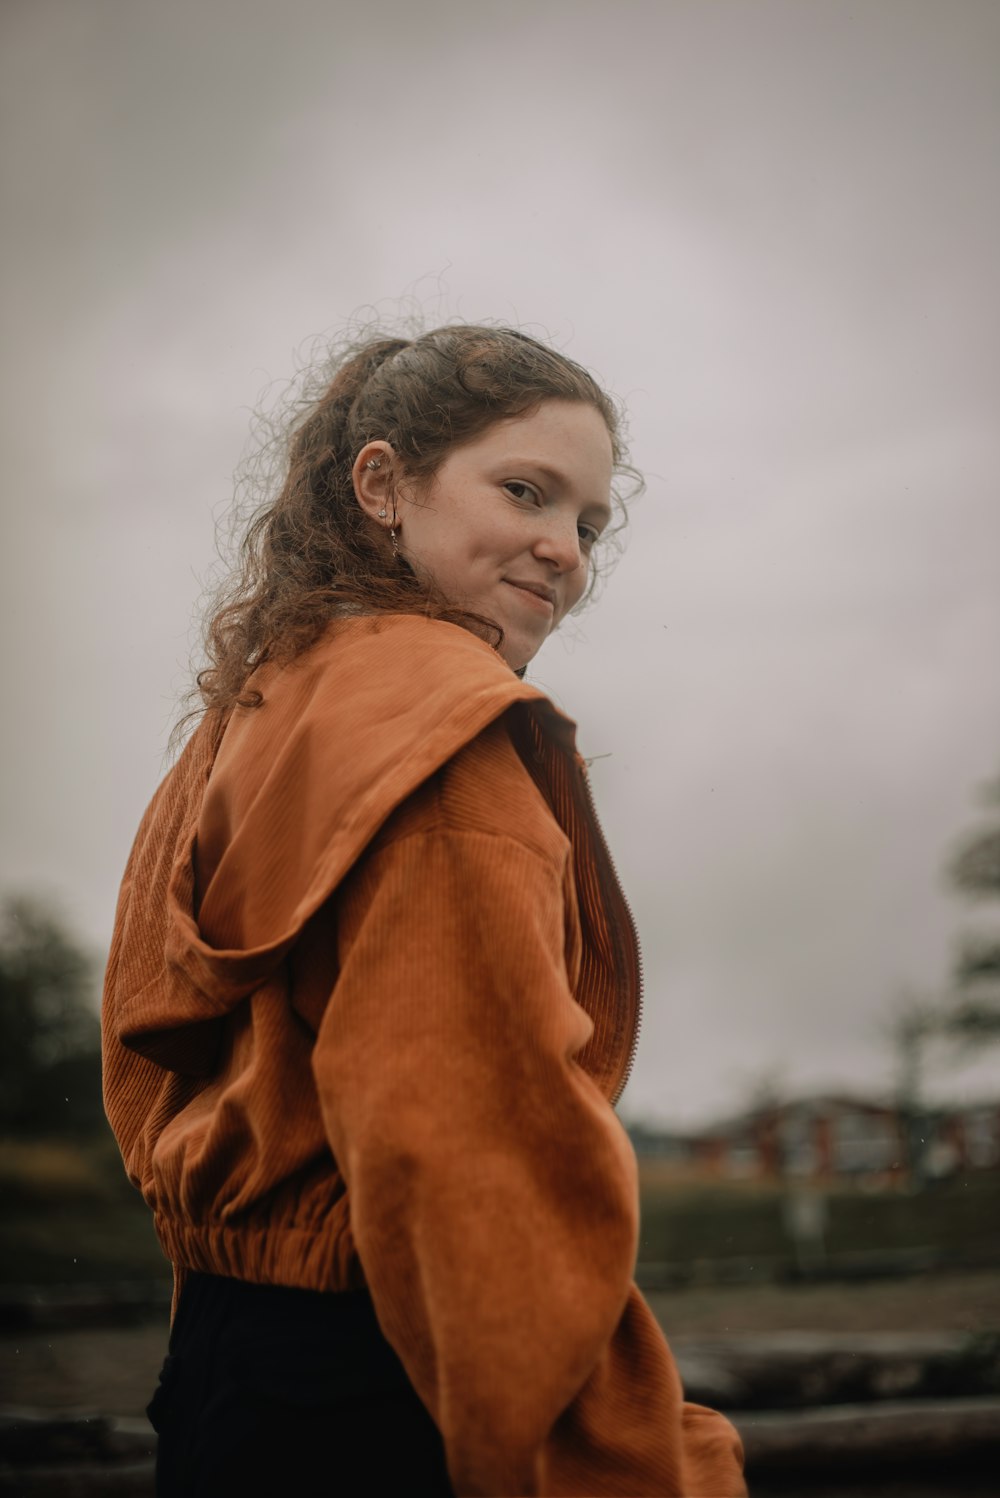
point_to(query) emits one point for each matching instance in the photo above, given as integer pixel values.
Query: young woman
(374, 987)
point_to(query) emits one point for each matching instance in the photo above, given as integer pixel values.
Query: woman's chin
(519, 651)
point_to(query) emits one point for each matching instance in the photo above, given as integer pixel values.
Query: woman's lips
(542, 600)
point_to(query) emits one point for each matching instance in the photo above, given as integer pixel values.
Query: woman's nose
(559, 543)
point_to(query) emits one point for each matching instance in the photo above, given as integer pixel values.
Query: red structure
(831, 1137)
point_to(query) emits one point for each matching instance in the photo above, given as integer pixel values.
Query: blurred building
(830, 1137)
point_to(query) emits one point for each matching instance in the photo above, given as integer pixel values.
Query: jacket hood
(262, 816)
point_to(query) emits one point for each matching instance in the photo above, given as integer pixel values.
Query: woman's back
(373, 991)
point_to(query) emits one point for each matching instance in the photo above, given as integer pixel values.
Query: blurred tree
(912, 1024)
(49, 1030)
(969, 1013)
(974, 871)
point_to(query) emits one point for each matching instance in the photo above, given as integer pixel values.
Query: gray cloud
(773, 227)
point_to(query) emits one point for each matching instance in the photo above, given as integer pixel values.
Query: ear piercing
(373, 463)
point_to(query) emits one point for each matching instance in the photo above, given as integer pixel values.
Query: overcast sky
(771, 226)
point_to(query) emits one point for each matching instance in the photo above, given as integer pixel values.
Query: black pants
(286, 1394)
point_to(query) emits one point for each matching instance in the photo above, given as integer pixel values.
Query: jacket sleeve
(492, 1190)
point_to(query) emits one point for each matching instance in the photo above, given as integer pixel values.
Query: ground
(114, 1369)
(940, 1302)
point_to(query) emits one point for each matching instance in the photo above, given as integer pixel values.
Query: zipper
(619, 899)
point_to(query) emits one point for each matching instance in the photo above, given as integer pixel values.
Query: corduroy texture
(372, 989)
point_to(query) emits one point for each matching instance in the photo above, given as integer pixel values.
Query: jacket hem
(295, 1257)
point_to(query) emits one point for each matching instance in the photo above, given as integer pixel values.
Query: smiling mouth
(541, 597)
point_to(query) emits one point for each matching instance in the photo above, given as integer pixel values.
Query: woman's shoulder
(485, 790)
(404, 653)
(386, 684)
(341, 739)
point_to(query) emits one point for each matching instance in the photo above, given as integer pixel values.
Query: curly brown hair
(312, 553)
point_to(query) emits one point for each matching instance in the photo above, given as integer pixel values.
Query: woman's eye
(520, 490)
(589, 534)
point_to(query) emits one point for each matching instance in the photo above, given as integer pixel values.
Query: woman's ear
(372, 479)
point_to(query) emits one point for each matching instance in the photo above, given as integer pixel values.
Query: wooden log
(896, 1435)
(796, 1369)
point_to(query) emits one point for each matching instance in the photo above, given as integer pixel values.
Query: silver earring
(392, 531)
(372, 463)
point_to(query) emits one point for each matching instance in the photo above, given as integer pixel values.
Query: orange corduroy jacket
(372, 992)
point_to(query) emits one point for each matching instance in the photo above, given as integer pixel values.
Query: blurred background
(772, 228)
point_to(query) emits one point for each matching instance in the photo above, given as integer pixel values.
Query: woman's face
(506, 525)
